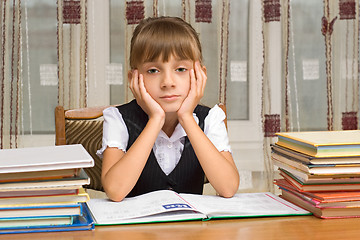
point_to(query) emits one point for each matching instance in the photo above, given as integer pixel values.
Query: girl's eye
(181, 70)
(153, 70)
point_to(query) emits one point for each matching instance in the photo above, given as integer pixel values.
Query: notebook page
(243, 204)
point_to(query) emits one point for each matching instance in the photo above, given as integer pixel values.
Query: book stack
(320, 171)
(41, 189)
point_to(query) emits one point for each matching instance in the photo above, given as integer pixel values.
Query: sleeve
(215, 129)
(115, 133)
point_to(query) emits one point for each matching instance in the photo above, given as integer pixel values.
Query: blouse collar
(178, 133)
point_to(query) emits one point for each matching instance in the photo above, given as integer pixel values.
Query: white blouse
(166, 149)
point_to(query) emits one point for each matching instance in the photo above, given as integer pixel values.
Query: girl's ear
(130, 73)
(204, 69)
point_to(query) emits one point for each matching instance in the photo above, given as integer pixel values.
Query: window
(40, 58)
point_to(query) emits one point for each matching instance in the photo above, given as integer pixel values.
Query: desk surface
(300, 227)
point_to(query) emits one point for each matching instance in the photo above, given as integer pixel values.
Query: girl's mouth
(169, 97)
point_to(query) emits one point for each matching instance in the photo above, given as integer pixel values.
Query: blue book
(84, 221)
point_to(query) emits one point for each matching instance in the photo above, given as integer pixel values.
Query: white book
(167, 206)
(44, 158)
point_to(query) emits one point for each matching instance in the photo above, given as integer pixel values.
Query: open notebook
(167, 206)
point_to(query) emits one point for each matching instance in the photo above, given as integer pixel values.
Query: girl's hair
(162, 37)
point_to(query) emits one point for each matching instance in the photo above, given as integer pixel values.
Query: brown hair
(163, 37)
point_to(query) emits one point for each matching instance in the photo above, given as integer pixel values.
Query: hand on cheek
(143, 98)
(197, 86)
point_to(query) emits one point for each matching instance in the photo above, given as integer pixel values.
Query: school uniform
(172, 163)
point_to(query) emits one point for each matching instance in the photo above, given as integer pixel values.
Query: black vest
(187, 177)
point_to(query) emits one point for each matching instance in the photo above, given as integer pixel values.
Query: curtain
(10, 73)
(72, 53)
(271, 73)
(321, 62)
(28, 71)
(319, 67)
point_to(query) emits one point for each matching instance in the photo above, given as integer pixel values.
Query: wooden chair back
(82, 126)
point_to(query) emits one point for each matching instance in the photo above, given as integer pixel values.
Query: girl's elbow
(231, 189)
(113, 192)
(229, 193)
(116, 198)
(113, 195)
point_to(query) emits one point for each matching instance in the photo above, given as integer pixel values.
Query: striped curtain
(10, 73)
(72, 53)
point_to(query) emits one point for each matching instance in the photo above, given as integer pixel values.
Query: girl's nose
(167, 80)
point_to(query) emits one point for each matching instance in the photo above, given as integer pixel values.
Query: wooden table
(300, 227)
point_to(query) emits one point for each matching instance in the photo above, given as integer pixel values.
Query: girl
(163, 139)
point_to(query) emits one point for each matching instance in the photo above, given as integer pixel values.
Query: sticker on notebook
(176, 205)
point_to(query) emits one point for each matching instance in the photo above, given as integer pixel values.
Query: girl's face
(168, 83)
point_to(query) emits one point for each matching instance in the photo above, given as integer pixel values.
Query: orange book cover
(326, 197)
(322, 212)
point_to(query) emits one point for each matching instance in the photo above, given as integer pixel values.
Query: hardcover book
(322, 143)
(40, 211)
(314, 160)
(331, 179)
(322, 212)
(83, 221)
(306, 176)
(81, 196)
(317, 169)
(323, 197)
(46, 158)
(38, 175)
(62, 183)
(320, 187)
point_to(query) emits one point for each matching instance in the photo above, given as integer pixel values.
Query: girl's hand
(197, 87)
(143, 98)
